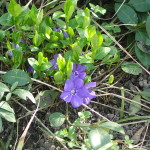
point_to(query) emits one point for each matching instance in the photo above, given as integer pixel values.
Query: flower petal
(92, 94)
(81, 68)
(66, 96)
(78, 83)
(76, 101)
(90, 85)
(69, 85)
(86, 101)
(83, 92)
(74, 67)
(82, 75)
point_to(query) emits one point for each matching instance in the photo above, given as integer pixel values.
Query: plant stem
(122, 103)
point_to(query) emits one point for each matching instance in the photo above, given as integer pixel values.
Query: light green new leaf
(16, 75)
(6, 19)
(56, 119)
(24, 94)
(3, 87)
(59, 77)
(131, 68)
(134, 107)
(140, 5)
(7, 112)
(14, 8)
(126, 14)
(113, 126)
(98, 138)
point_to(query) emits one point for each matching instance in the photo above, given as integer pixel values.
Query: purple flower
(10, 54)
(30, 69)
(54, 62)
(76, 93)
(57, 29)
(65, 34)
(92, 94)
(78, 71)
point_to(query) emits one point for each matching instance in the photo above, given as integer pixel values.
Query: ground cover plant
(62, 66)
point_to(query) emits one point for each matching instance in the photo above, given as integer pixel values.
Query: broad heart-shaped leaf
(113, 126)
(126, 14)
(131, 68)
(140, 5)
(143, 57)
(141, 35)
(7, 112)
(56, 119)
(16, 75)
(146, 93)
(148, 26)
(134, 107)
(3, 87)
(98, 138)
(24, 94)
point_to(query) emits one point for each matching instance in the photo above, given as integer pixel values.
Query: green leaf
(146, 93)
(16, 75)
(24, 94)
(87, 58)
(6, 20)
(102, 52)
(14, 85)
(131, 68)
(76, 49)
(140, 5)
(1, 125)
(61, 62)
(98, 138)
(113, 126)
(148, 26)
(14, 8)
(111, 79)
(45, 66)
(2, 34)
(97, 8)
(141, 35)
(7, 112)
(59, 77)
(3, 87)
(8, 96)
(69, 68)
(84, 115)
(126, 14)
(46, 97)
(56, 119)
(57, 15)
(143, 57)
(134, 107)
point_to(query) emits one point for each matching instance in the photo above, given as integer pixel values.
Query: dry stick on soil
(22, 138)
(120, 46)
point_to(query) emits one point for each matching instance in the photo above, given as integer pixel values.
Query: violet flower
(76, 93)
(57, 29)
(30, 69)
(10, 54)
(54, 62)
(65, 34)
(78, 71)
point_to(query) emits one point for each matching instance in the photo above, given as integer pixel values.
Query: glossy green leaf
(58, 14)
(69, 68)
(134, 107)
(61, 62)
(56, 119)
(16, 75)
(6, 20)
(126, 14)
(146, 93)
(8, 96)
(14, 85)
(140, 5)
(59, 77)
(143, 57)
(86, 59)
(84, 115)
(14, 8)
(97, 8)
(2, 34)
(76, 49)
(7, 112)
(113, 126)
(111, 79)
(98, 138)
(24, 94)
(3, 87)
(102, 52)
(131, 68)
